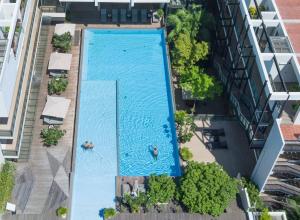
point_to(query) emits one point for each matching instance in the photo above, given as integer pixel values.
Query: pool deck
(40, 196)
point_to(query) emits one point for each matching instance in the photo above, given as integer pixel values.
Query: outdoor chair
(125, 189)
(144, 16)
(11, 207)
(217, 145)
(123, 15)
(103, 15)
(213, 132)
(115, 16)
(134, 16)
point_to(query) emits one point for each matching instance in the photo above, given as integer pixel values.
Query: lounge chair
(125, 189)
(144, 16)
(123, 15)
(115, 16)
(103, 15)
(134, 16)
(213, 132)
(217, 145)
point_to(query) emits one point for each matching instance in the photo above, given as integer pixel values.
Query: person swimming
(155, 152)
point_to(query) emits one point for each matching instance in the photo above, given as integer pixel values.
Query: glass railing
(20, 86)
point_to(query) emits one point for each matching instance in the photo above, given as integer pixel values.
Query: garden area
(191, 34)
(7, 182)
(202, 189)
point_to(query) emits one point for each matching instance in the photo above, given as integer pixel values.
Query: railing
(20, 88)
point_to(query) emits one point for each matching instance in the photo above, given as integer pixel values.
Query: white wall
(10, 69)
(268, 156)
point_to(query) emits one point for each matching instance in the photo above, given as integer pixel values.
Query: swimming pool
(136, 59)
(125, 109)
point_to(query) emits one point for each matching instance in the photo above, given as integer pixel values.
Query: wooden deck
(49, 166)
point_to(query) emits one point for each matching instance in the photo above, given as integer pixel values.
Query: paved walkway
(238, 158)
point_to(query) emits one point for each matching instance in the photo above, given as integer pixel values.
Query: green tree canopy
(185, 126)
(292, 208)
(161, 189)
(188, 52)
(200, 85)
(206, 188)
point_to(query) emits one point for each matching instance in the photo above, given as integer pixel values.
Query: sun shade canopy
(56, 107)
(64, 28)
(60, 61)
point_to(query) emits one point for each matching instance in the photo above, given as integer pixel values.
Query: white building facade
(261, 74)
(18, 23)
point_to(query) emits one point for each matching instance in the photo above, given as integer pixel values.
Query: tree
(206, 188)
(184, 21)
(265, 215)
(188, 52)
(200, 85)
(161, 189)
(185, 126)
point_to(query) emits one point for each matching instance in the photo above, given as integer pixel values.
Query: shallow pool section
(95, 169)
(137, 60)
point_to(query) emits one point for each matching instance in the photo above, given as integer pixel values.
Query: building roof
(56, 107)
(60, 61)
(290, 13)
(63, 28)
(290, 132)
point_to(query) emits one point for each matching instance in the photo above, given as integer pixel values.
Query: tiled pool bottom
(137, 60)
(125, 109)
(95, 169)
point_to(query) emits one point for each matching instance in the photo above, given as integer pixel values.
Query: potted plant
(186, 154)
(109, 213)
(51, 135)
(252, 12)
(57, 85)
(5, 32)
(265, 215)
(62, 42)
(62, 212)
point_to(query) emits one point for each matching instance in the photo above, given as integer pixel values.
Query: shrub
(109, 212)
(206, 188)
(62, 212)
(160, 13)
(51, 136)
(253, 193)
(185, 126)
(292, 208)
(135, 203)
(252, 12)
(265, 215)
(57, 85)
(62, 42)
(7, 182)
(200, 85)
(161, 189)
(186, 154)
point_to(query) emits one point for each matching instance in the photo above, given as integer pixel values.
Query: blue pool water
(125, 108)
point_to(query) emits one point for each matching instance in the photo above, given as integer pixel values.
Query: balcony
(271, 38)
(264, 9)
(275, 185)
